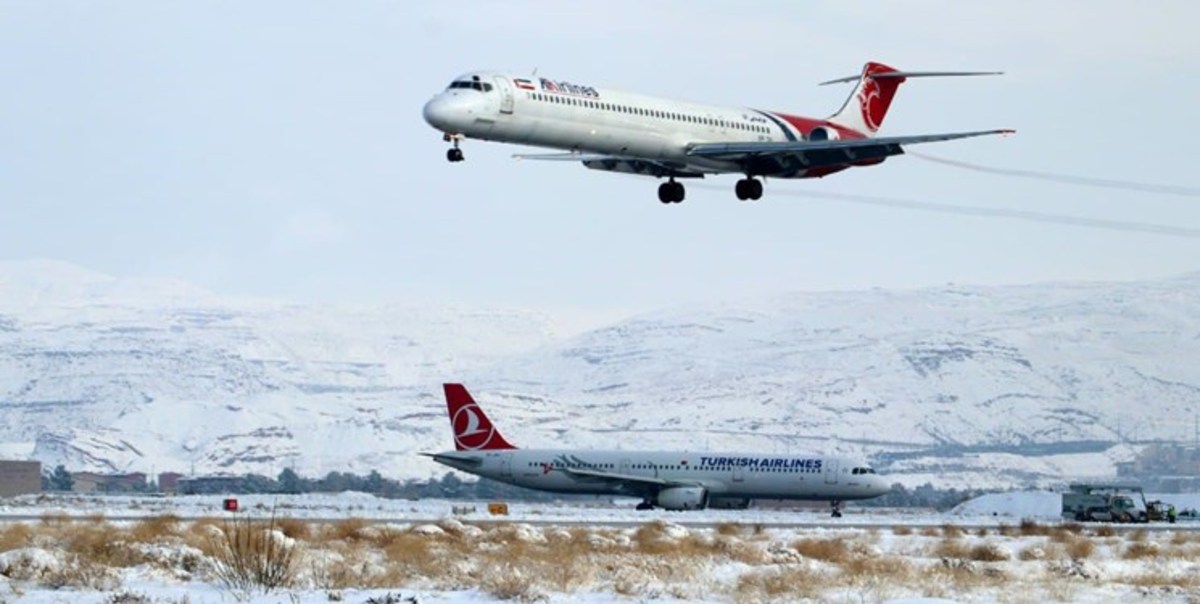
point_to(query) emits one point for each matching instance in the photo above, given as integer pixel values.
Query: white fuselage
(564, 116)
(722, 475)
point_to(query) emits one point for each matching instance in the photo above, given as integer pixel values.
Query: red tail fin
(473, 431)
(868, 104)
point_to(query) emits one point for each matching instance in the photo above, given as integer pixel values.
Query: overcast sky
(277, 148)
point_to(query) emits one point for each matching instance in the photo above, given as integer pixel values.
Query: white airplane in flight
(637, 134)
(673, 480)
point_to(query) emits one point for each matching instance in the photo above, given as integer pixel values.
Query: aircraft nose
(880, 486)
(437, 113)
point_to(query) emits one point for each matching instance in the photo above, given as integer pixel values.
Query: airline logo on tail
(473, 431)
(875, 95)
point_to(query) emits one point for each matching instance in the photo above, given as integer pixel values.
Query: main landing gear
(453, 154)
(671, 192)
(645, 505)
(748, 188)
(837, 508)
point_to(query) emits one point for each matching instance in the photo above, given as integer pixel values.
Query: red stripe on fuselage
(805, 126)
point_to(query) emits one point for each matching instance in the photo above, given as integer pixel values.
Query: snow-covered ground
(1004, 547)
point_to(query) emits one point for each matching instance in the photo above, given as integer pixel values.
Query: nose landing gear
(671, 192)
(748, 188)
(453, 154)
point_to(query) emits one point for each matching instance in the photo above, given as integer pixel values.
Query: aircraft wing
(563, 156)
(813, 154)
(630, 481)
(619, 163)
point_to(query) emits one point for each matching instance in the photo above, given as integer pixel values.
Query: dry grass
(989, 552)
(1158, 578)
(80, 573)
(15, 536)
(775, 584)
(833, 550)
(1141, 549)
(101, 544)
(350, 529)
(1032, 553)
(512, 582)
(1031, 528)
(1079, 548)
(655, 560)
(155, 529)
(895, 568)
(1106, 530)
(951, 548)
(55, 519)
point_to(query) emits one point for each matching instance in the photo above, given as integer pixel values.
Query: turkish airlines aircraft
(673, 480)
(636, 134)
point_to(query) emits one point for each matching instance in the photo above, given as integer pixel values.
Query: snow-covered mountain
(961, 386)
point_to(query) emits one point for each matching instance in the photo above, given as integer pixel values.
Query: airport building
(20, 478)
(91, 482)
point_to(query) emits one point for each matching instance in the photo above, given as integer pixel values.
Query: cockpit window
(863, 471)
(476, 85)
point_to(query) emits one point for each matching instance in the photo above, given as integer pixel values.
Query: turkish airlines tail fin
(867, 105)
(473, 431)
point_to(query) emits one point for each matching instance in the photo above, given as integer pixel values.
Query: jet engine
(682, 498)
(821, 133)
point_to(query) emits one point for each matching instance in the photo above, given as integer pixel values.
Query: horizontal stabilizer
(447, 456)
(910, 74)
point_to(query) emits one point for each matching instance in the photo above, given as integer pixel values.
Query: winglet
(473, 431)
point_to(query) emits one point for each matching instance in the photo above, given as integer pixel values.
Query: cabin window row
(609, 466)
(666, 115)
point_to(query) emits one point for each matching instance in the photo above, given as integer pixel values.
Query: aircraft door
(831, 470)
(739, 473)
(506, 465)
(506, 94)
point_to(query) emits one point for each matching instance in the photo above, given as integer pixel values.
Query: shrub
(989, 552)
(155, 529)
(829, 550)
(1141, 549)
(15, 536)
(791, 583)
(1080, 548)
(251, 554)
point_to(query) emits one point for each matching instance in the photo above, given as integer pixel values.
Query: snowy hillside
(961, 386)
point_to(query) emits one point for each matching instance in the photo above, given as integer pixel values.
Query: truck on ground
(1113, 503)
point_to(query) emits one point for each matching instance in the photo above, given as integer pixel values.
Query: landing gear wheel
(454, 155)
(748, 188)
(837, 509)
(671, 192)
(645, 505)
